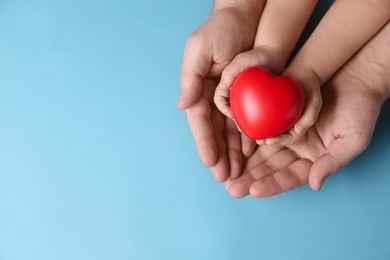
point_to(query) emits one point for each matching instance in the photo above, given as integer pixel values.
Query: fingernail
(316, 187)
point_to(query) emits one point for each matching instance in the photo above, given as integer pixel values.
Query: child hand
(260, 56)
(269, 59)
(313, 102)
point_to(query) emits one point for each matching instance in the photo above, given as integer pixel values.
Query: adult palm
(228, 32)
(352, 102)
(343, 130)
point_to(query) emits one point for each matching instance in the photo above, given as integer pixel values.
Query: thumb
(339, 153)
(196, 65)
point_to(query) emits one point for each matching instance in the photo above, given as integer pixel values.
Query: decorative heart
(265, 105)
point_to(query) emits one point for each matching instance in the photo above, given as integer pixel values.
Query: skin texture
(346, 27)
(339, 134)
(229, 31)
(280, 26)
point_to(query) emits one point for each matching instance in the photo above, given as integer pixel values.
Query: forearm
(347, 26)
(281, 25)
(370, 67)
(241, 17)
(253, 6)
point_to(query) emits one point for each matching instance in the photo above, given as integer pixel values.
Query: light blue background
(96, 162)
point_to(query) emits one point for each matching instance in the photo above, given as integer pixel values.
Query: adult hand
(229, 31)
(352, 102)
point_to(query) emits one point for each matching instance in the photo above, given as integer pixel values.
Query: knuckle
(248, 59)
(228, 71)
(195, 39)
(309, 121)
(241, 56)
(262, 58)
(196, 43)
(237, 65)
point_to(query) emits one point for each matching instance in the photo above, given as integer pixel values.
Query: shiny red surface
(264, 105)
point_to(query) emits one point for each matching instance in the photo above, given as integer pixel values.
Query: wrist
(373, 75)
(252, 6)
(241, 24)
(371, 80)
(304, 75)
(274, 60)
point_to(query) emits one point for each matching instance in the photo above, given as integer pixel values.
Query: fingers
(241, 62)
(313, 104)
(262, 155)
(207, 125)
(221, 168)
(221, 100)
(229, 74)
(238, 147)
(196, 64)
(277, 161)
(199, 118)
(338, 154)
(287, 138)
(248, 146)
(308, 118)
(264, 162)
(233, 143)
(293, 176)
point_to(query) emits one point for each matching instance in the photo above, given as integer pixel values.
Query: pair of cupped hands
(352, 100)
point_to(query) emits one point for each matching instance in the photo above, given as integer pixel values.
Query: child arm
(280, 27)
(345, 28)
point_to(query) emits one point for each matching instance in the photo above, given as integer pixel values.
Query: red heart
(264, 105)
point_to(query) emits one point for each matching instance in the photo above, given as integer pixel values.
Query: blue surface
(96, 162)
